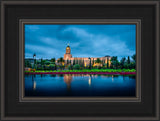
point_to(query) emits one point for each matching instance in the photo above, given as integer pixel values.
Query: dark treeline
(123, 63)
(52, 64)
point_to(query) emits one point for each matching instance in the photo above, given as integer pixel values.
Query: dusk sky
(50, 41)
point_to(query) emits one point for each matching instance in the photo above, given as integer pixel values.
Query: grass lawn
(86, 70)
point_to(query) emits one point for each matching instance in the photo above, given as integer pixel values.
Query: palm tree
(61, 60)
(98, 60)
(53, 60)
(114, 62)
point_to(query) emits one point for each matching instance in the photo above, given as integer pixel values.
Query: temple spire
(68, 49)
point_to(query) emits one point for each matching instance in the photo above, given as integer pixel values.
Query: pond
(80, 85)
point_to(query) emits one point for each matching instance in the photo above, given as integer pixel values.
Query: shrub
(76, 67)
(70, 67)
(33, 70)
(51, 66)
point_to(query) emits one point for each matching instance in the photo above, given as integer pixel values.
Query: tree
(70, 62)
(89, 63)
(34, 58)
(98, 60)
(128, 60)
(103, 61)
(42, 62)
(105, 65)
(83, 62)
(74, 62)
(122, 62)
(27, 64)
(70, 67)
(51, 66)
(93, 61)
(107, 62)
(47, 62)
(67, 61)
(61, 60)
(114, 62)
(134, 61)
(134, 57)
(53, 60)
(132, 65)
(76, 67)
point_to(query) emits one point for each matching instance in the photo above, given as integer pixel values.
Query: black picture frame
(12, 14)
(23, 22)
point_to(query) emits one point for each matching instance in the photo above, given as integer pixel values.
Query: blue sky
(49, 41)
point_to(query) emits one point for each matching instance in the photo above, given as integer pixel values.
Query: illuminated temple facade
(85, 60)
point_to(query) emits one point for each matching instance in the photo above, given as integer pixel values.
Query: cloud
(49, 41)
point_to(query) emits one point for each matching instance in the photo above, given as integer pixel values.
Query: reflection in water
(112, 78)
(34, 82)
(34, 85)
(79, 85)
(89, 81)
(67, 80)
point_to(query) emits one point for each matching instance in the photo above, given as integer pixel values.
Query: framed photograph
(84, 76)
(80, 60)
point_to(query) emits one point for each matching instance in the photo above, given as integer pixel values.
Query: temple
(85, 60)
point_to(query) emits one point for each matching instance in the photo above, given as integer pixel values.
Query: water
(76, 85)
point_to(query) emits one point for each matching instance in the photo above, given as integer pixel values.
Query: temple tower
(67, 55)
